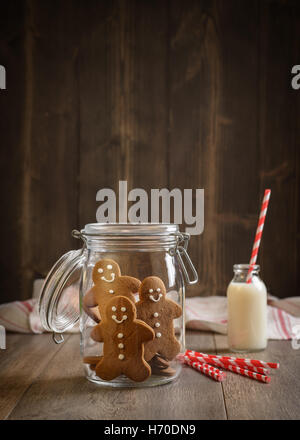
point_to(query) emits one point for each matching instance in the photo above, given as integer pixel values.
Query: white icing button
(113, 316)
(114, 308)
(157, 324)
(123, 309)
(111, 291)
(124, 317)
(150, 290)
(158, 290)
(109, 266)
(121, 345)
(155, 315)
(121, 356)
(100, 270)
(120, 335)
(158, 335)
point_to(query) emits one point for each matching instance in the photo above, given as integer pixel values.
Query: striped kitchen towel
(202, 313)
(210, 313)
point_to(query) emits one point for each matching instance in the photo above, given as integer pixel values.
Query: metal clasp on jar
(181, 252)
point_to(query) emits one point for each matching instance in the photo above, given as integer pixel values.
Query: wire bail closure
(57, 338)
(181, 251)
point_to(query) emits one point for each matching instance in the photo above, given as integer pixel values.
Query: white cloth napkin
(202, 313)
(210, 313)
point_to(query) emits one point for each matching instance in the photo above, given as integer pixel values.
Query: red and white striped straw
(259, 370)
(239, 362)
(251, 374)
(187, 360)
(259, 231)
(205, 369)
(218, 374)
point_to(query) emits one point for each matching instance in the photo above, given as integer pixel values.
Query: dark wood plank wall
(192, 94)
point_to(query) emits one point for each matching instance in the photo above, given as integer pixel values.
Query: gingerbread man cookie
(108, 282)
(158, 312)
(123, 338)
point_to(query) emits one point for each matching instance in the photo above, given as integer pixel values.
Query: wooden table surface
(41, 380)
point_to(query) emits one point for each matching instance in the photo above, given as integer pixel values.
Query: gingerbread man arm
(131, 283)
(175, 309)
(145, 331)
(97, 333)
(90, 301)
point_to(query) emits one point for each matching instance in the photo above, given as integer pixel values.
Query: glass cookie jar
(125, 288)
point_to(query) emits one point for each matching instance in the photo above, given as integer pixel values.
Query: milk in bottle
(247, 311)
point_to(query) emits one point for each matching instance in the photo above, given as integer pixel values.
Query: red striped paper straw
(259, 370)
(233, 368)
(215, 374)
(187, 359)
(239, 362)
(251, 374)
(259, 231)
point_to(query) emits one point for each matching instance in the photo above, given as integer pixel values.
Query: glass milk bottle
(247, 311)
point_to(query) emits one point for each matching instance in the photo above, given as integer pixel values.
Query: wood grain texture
(279, 158)
(62, 392)
(252, 400)
(174, 94)
(57, 389)
(13, 58)
(53, 158)
(20, 364)
(123, 108)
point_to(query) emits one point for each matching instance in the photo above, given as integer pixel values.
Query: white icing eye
(123, 309)
(124, 317)
(114, 317)
(158, 290)
(120, 335)
(155, 315)
(111, 291)
(109, 266)
(121, 345)
(157, 324)
(100, 270)
(150, 290)
(121, 357)
(158, 335)
(114, 308)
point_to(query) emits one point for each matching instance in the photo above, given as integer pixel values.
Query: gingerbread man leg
(150, 350)
(170, 349)
(107, 370)
(137, 371)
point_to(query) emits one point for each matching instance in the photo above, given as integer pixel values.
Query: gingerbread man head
(120, 310)
(106, 271)
(152, 290)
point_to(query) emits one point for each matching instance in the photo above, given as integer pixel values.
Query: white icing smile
(111, 280)
(157, 299)
(119, 321)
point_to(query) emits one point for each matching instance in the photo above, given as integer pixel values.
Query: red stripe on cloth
(282, 322)
(192, 311)
(276, 322)
(27, 305)
(15, 325)
(289, 324)
(21, 307)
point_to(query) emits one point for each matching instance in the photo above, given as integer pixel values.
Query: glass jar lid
(59, 297)
(130, 229)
